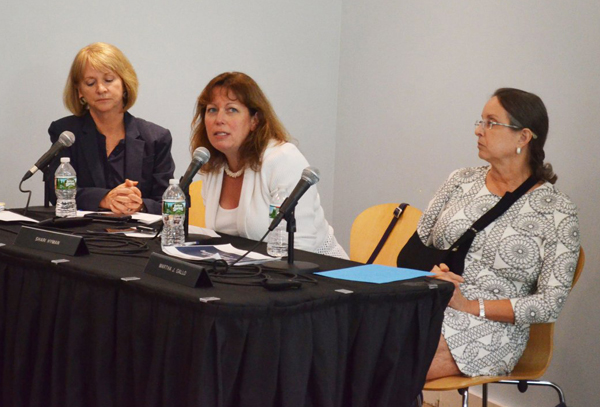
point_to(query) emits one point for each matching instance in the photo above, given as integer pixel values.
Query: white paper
(215, 252)
(197, 230)
(8, 216)
(146, 218)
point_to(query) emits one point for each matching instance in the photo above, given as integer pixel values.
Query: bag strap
(502, 206)
(397, 214)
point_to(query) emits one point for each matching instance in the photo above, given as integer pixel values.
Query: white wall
(414, 76)
(290, 48)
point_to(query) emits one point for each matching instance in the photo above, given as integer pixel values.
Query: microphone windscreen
(201, 155)
(311, 175)
(66, 138)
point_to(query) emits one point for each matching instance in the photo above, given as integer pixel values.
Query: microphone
(200, 157)
(310, 176)
(66, 139)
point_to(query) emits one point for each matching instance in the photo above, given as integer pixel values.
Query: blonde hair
(100, 56)
(247, 92)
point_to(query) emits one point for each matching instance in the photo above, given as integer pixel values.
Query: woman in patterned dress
(519, 269)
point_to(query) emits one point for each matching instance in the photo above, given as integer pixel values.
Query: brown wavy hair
(100, 56)
(268, 128)
(527, 111)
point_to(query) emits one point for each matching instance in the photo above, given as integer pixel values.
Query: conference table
(82, 332)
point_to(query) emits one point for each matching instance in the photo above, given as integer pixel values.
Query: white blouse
(225, 222)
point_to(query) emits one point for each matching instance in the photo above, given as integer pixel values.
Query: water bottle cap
(65, 160)
(174, 181)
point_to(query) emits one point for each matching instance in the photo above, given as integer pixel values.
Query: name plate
(177, 271)
(50, 241)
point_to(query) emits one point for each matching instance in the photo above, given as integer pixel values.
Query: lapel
(213, 194)
(89, 145)
(134, 149)
(245, 201)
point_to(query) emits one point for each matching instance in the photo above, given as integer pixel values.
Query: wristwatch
(481, 308)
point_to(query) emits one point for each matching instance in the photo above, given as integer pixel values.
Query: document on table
(375, 273)
(8, 216)
(216, 252)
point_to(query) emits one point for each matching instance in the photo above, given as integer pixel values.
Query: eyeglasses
(489, 124)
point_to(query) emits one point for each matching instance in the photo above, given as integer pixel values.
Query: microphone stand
(47, 181)
(186, 221)
(291, 266)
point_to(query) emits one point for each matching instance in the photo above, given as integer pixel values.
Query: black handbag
(416, 255)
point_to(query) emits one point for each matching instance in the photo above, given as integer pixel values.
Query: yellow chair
(369, 226)
(197, 206)
(531, 366)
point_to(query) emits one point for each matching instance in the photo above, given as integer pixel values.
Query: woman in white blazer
(251, 158)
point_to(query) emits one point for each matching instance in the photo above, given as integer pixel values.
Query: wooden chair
(197, 207)
(531, 366)
(369, 226)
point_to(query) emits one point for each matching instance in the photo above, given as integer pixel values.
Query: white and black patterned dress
(527, 255)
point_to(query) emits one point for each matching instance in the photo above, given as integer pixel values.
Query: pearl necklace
(231, 173)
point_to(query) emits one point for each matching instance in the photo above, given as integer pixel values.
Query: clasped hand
(123, 199)
(458, 300)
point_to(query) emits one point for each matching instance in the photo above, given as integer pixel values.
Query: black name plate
(50, 241)
(177, 271)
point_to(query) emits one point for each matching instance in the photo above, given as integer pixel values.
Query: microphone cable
(252, 249)
(114, 245)
(28, 198)
(253, 275)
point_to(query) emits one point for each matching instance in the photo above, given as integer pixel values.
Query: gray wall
(380, 94)
(414, 76)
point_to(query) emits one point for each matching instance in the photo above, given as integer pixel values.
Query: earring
(518, 150)
(82, 101)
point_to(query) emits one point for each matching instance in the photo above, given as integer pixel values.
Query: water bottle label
(65, 183)
(173, 207)
(273, 211)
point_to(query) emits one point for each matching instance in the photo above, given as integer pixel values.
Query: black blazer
(147, 160)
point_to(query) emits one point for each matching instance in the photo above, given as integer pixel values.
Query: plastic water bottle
(173, 214)
(277, 241)
(65, 186)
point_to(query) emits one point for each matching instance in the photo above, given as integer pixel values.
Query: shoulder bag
(417, 255)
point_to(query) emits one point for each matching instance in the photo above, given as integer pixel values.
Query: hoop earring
(82, 101)
(125, 97)
(518, 150)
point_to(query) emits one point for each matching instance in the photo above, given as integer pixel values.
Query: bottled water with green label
(65, 186)
(173, 214)
(277, 240)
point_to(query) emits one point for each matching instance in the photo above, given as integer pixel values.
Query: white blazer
(282, 168)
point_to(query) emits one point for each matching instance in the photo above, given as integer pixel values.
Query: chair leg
(561, 395)
(484, 395)
(465, 396)
(420, 400)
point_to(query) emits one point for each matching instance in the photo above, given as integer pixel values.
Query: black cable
(28, 198)
(248, 275)
(113, 245)
(253, 247)
(9, 231)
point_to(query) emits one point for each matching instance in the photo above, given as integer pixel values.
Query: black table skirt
(75, 334)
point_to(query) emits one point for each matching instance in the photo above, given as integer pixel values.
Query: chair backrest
(538, 353)
(197, 206)
(369, 226)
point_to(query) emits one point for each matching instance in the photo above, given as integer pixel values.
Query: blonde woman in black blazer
(123, 163)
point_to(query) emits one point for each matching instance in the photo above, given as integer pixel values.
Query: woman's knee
(443, 363)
